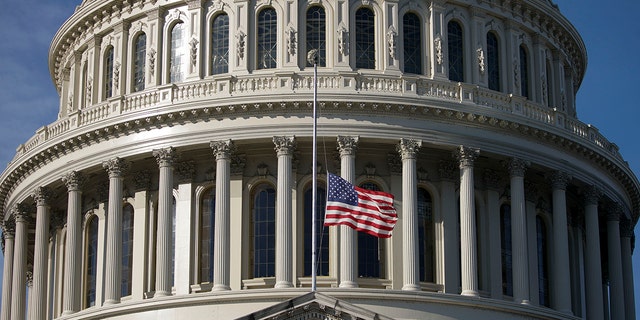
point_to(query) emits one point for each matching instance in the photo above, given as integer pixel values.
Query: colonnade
(15, 231)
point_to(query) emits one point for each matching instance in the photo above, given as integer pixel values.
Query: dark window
(411, 28)
(549, 88)
(493, 61)
(425, 236)
(456, 51)
(505, 241)
(92, 261)
(108, 73)
(127, 249)
(264, 233)
(177, 64)
(365, 39)
(207, 229)
(267, 40)
(369, 262)
(322, 233)
(543, 271)
(220, 44)
(139, 60)
(316, 34)
(524, 72)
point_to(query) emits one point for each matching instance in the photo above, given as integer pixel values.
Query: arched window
(322, 233)
(207, 229)
(267, 39)
(524, 72)
(127, 249)
(139, 60)
(177, 64)
(493, 61)
(543, 268)
(108, 73)
(369, 262)
(505, 241)
(456, 51)
(92, 262)
(220, 44)
(316, 34)
(365, 39)
(412, 38)
(425, 236)
(264, 231)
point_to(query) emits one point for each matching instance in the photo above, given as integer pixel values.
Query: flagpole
(312, 57)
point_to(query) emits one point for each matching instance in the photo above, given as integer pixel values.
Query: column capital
(466, 156)
(559, 180)
(42, 195)
(517, 167)
(166, 157)
(408, 148)
(222, 149)
(21, 212)
(592, 195)
(614, 213)
(284, 145)
(115, 167)
(348, 145)
(9, 228)
(74, 180)
(29, 278)
(626, 228)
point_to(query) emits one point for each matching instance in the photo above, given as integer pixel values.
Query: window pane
(412, 44)
(456, 53)
(493, 61)
(264, 241)
(92, 261)
(177, 65)
(127, 249)
(108, 73)
(425, 236)
(505, 239)
(365, 39)
(267, 39)
(139, 60)
(524, 72)
(316, 38)
(322, 233)
(207, 227)
(220, 44)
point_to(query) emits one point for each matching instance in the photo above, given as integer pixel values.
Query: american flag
(361, 209)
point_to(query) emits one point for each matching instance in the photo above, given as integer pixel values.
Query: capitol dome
(176, 182)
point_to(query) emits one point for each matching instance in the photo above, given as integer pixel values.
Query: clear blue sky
(606, 98)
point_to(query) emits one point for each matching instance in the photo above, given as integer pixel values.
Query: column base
(220, 287)
(348, 284)
(283, 284)
(110, 302)
(526, 302)
(161, 294)
(470, 293)
(68, 312)
(411, 287)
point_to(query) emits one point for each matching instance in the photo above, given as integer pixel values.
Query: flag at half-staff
(361, 209)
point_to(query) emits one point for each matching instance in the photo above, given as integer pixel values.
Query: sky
(28, 99)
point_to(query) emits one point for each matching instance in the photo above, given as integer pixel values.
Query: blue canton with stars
(341, 190)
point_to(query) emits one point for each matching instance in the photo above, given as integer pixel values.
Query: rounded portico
(176, 181)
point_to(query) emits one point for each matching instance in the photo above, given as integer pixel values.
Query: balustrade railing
(341, 83)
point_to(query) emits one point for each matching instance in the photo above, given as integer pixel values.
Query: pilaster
(561, 297)
(38, 305)
(616, 279)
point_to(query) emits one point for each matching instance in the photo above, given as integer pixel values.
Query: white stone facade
(102, 210)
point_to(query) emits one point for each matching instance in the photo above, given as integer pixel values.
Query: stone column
(593, 269)
(73, 254)
(492, 183)
(626, 234)
(166, 158)
(408, 150)
(517, 168)
(8, 233)
(40, 255)
(448, 254)
(348, 255)
(616, 281)
(561, 297)
(19, 281)
(468, 254)
(222, 234)
(115, 167)
(284, 147)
